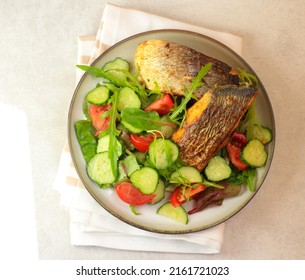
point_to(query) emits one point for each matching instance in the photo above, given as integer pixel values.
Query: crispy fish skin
(173, 66)
(210, 122)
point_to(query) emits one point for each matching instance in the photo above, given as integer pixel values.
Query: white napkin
(90, 224)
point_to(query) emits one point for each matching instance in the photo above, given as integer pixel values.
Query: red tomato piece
(234, 147)
(96, 113)
(142, 142)
(131, 195)
(178, 197)
(239, 139)
(162, 106)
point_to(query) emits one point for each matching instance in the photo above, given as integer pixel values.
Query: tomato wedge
(131, 195)
(162, 106)
(178, 197)
(234, 147)
(96, 113)
(142, 142)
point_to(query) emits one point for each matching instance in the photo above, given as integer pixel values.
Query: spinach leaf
(247, 176)
(86, 139)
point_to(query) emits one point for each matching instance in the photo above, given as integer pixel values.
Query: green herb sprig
(132, 80)
(188, 95)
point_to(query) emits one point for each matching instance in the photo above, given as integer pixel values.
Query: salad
(125, 139)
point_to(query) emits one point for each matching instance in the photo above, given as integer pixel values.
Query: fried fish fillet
(173, 66)
(210, 122)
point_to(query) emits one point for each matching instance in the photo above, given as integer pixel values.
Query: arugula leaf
(132, 81)
(251, 179)
(188, 94)
(133, 210)
(137, 87)
(98, 73)
(250, 122)
(142, 121)
(247, 78)
(113, 132)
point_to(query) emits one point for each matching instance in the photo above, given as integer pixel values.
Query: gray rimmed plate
(148, 219)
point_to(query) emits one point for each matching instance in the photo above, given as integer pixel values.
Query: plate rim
(148, 228)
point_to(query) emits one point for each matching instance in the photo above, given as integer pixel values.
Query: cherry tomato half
(179, 196)
(142, 142)
(162, 106)
(96, 113)
(234, 147)
(131, 195)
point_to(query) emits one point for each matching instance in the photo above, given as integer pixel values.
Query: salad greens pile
(140, 120)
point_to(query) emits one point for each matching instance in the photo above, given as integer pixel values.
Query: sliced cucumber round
(186, 174)
(163, 153)
(217, 169)
(254, 153)
(117, 64)
(127, 98)
(177, 214)
(159, 192)
(130, 128)
(145, 179)
(264, 134)
(98, 96)
(103, 145)
(99, 169)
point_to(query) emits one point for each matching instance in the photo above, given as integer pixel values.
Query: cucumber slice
(254, 153)
(177, 214)
(99, 169)
(130, 128)
(167, 130)
(117, 64)
(163, 153)
(98, 95)
(159, 192)
(217, 169)
(127, 98)
(103, 144)
(264, 134)
(126, 167)
(131, 164)
(145, 179)
(186, 174)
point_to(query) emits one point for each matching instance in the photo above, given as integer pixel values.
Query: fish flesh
(172, 66)
(210, 122)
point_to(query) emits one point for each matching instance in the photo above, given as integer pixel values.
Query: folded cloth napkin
(90, 224)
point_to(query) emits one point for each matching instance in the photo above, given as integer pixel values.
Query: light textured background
(37, 74)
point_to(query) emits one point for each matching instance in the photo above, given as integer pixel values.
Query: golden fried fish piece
(210, 122)
(173, 66)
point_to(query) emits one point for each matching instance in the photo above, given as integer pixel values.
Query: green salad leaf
(132, 81)
(246, 77)
(143, 121)
(86, 139)
(188, 95)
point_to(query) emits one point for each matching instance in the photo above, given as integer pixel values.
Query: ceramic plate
(148, 219)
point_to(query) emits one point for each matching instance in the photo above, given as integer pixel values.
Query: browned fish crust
(173, 66)
(210, 122)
